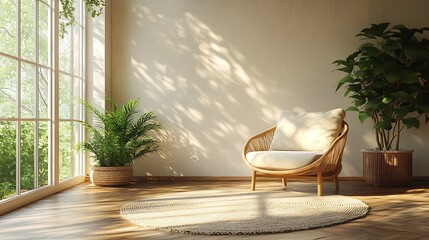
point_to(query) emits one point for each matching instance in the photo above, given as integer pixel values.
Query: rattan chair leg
(337, 184)
(284, 181)
(253, 181)
(319, 185)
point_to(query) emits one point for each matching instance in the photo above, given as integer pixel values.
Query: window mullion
(56, 105)
(51, 155)
(36, 123)
(18, 105)
(83, 85)
(72, 156)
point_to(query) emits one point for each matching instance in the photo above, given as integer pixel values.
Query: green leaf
(405, 34)
(348, 65)
(365, 45)
(398, 26)
(341, 62)
(373, 104)
(352, 109)
(347, 79)
(347, 92)
(392, 75)
(416, 53)
(363, 116)
(399, 94)
(401, 112)
(345, 69)
(359, 102)
(363, 73)
(409, 76)
(376, 30)
(390, 45)
(411, 122)
(386, 100)
(424, 106)
(387, 125)
(378, 66)
(365, 35)
(355, 87)
(352, 56)
(414, 93)
(370, 51)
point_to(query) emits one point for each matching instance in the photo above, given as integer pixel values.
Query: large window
(71, 91)
(32, 91)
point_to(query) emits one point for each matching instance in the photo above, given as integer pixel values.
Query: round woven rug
(220, 212)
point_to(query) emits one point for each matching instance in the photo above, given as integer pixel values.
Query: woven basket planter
(111, 176)
(387, 168)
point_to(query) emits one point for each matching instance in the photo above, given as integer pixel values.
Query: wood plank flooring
(91, 212)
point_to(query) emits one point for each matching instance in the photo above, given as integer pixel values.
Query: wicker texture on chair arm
(328, 166)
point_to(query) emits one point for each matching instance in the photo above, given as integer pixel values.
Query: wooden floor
(90, 212)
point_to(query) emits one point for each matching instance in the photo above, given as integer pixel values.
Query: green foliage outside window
(67, 19)
(8, 157)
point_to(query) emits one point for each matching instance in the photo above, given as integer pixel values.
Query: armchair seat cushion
(282, 160)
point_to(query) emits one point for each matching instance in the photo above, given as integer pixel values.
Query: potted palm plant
(387, 79)
(118, 138)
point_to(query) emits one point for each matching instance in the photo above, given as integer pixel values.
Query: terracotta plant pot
(111, 176)
(387, 168)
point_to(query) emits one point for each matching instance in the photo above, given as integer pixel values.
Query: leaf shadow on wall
(207, 95)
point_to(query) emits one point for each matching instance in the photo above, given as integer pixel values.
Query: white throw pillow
(307, 131)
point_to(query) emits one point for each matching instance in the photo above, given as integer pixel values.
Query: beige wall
(98, 62)
(217, 72)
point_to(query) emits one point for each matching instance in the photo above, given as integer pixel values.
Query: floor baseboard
(232, 178)
(217, 179)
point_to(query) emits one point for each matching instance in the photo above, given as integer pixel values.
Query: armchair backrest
(307, 131)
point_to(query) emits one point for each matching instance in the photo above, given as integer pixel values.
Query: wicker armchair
(326, 167)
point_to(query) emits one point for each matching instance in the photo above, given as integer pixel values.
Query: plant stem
(377, 134)
(398, 135)
(374, 117)
(385, 140)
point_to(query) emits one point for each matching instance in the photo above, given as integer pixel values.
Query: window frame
(53, 118)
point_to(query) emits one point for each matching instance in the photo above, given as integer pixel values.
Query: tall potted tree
(387, 78)
(118, 138)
